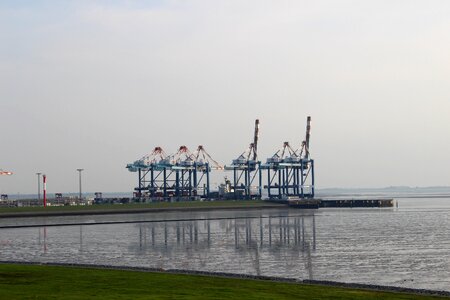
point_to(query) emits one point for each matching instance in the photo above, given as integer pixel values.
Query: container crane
(245, 169)
(144, 166)
(184, 168)
(290, 173)
(283, 173)
(183, 175)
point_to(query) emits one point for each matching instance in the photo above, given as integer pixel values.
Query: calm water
(406, 246)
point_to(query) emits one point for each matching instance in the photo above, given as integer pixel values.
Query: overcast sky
(98, 84)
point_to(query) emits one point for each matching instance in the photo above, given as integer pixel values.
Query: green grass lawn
(230, 203)
(48, 282)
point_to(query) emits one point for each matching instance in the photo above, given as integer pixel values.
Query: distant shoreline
(385, 196)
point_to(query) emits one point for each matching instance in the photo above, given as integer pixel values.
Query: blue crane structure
(289, 172)
(185, 175)
(182, 176)
(246, 169)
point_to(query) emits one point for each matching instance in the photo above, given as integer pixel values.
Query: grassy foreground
(134, 206)
(48, 282)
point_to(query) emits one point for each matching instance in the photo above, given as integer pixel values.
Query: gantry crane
(245, 170)
(183, 175)
(290, 173)
(147, 164)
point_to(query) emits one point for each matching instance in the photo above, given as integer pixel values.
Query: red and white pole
(45, 190)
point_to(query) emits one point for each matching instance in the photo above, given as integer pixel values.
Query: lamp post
(79, 173)
(45, 189)
(39, 185)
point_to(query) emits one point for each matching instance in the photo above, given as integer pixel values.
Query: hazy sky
(98, 84)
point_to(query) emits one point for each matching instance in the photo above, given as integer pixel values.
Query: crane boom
(255, 140)
(308, 134)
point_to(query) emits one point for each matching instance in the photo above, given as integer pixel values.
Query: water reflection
(264, 245)
(388, 247)
(42, 240)
(291, 239)
(81, 238)
(263, 232)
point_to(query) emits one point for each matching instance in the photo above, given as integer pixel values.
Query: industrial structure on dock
(246, 169)
(185, 175)
(290, 173)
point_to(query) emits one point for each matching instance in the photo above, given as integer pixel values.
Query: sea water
(407, 246)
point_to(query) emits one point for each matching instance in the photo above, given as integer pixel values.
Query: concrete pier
(357, 203)
(340, 203)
